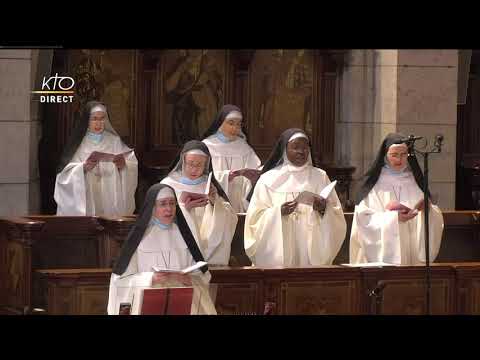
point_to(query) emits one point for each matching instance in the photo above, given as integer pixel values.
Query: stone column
(19, 129)
(409, 91)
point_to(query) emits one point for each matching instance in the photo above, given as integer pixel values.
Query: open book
(187, 195)
(371, 264)
(187, 270)
(107, 157)
(307, 197)
(403, 208)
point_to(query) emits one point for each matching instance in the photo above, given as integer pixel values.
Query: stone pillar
(409, 91)
(19, 129)
(427, 105)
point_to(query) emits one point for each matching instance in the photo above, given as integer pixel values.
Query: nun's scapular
(303, 237)
(377, 233)
(213, 224)
(231, 157)
(105, 189)
(151, 243)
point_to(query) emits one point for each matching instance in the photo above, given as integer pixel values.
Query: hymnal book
(167, 301)
(400, 207)
(187, 270)
(106, 157)
(327, 190)
(209, 181)
(307, 197)
(187, 195)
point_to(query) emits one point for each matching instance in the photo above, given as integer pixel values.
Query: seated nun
(211, 218)
(160, 238)
(281, 230)
(233, 159)
(90, 179)
(388, 223)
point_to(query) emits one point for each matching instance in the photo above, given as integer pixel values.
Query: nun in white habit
(212, 219)
(161, 238)
(89, 187)
(388, 223)
(231, 154)
(281, 231)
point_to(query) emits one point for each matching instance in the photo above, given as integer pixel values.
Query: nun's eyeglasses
(398, 156)
(191, 165)
(98, 120)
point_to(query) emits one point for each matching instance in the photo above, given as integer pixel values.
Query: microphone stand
(377, 293)
(437, 148)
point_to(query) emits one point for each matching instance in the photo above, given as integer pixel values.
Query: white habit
(230, 156)
(104, 190)
(303, 238)
(212, 226)
(378, 236)
(163, 248)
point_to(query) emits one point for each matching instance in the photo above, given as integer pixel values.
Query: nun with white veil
(160, 238)
(234, 161)
(88, 185)
(211, 217)
(388, 223)
(281, 230)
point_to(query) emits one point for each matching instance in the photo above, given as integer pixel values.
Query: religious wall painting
(281, 88)
(192, 84)
(107, 76)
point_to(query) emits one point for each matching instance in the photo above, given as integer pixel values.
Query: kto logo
(61, 86)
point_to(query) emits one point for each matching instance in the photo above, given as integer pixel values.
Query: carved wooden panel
(313, 290)
(404, 290)
(18, 270)
(61, 300)
(66, 242)
(92, 299)
(319, 297)
(407, 297)
(114, 234)
(238, 299)
(460, 237)
(73, 291)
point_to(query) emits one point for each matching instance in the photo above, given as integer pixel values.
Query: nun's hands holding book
(201, 202)
(288, 207)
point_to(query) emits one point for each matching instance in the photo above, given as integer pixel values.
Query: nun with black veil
(282, 230)
(88, 185)
(388, 223)
(235, 163)
(208, 212)
(160, 238)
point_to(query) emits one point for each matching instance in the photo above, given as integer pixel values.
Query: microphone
(439, 139)
(378, 290)
(438, 142)
(411, 139)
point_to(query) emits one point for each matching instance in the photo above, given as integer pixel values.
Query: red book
(179, 301)
(167, 301)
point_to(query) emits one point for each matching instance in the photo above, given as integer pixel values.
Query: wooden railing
(32, 243)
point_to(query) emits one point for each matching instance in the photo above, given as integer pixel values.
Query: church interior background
(346, 101)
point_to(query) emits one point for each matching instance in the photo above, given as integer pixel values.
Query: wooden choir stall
(62, 265)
